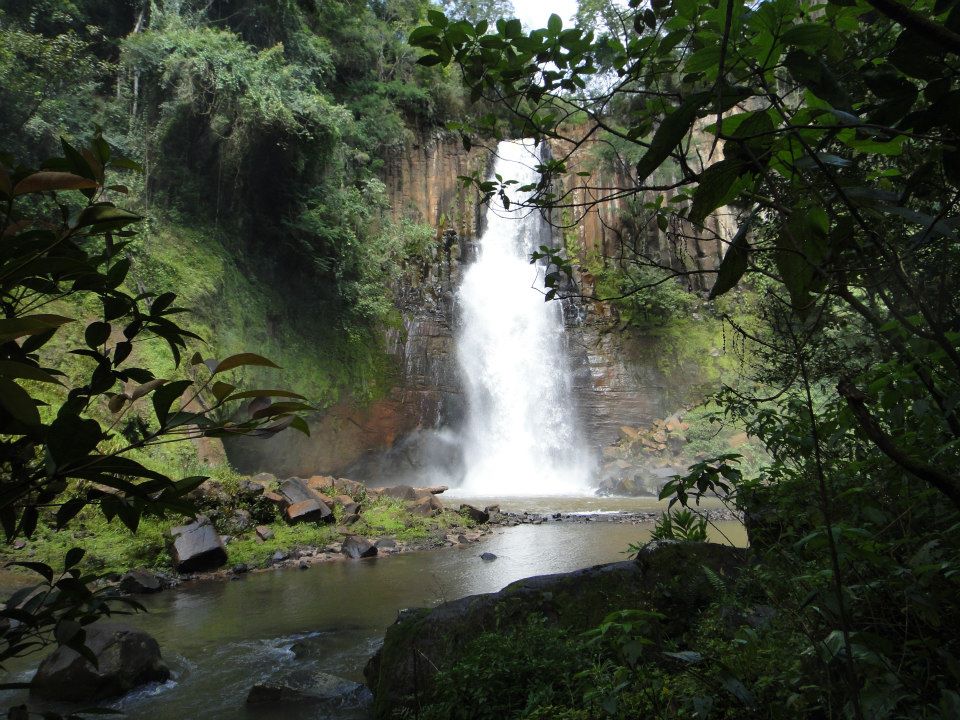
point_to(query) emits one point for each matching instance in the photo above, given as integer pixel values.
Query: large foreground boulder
(666, 577)
(127, 658)
(197, 547)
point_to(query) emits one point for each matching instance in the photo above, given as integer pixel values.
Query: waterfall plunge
(520, 436)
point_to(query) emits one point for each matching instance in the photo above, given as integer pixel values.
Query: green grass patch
(255, 553)
(391, 517)
(110, 546)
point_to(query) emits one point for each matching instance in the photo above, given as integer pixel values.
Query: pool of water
(221, 637)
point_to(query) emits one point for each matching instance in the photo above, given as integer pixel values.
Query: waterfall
(520, 436)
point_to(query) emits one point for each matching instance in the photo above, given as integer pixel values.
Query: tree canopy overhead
(829, 132)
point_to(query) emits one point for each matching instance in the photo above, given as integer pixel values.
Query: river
(221, 637)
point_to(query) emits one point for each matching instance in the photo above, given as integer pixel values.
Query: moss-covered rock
(665, 577)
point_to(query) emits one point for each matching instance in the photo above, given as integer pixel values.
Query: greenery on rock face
(828, 133)
(64, 250)
(262, 131)
(243, 142)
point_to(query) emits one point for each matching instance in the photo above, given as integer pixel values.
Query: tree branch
(856, 401)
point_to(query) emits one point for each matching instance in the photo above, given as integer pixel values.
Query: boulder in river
(476, 514)
(356, 547)
(310, 689)
(127, 658)
(488, 557)
(141, 582)
(197, 546)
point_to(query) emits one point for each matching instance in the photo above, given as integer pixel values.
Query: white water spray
(520, 436)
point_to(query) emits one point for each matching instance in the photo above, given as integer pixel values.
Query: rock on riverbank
(422, 640)
(126, 658)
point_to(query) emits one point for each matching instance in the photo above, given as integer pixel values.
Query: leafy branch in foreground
(68, 440)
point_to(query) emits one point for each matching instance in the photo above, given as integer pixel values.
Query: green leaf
(17, 401)
(96, 334)
(30, 325)
(73, 557)
(235, 361)
(69, 510)
(703, 59)
(812, 36)
(801, 249)
(716, 187)
(105, 217)
(46, 180)
(266, 393)
(165, 396)
(671, 133)
(14, 369)
(420, 35)
(734, 263)
(555, 24)
(222, 390)
(71, 437)
(299, 424)
(437, 19)
(40, 568)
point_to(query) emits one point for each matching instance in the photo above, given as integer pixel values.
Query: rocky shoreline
(304, 557)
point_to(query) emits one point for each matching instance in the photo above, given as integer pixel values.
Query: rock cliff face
(615, 381)
(389, 435)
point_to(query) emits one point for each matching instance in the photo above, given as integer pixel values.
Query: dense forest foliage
(829, 132)
(261, 131)
(250, 136)
(158, 156)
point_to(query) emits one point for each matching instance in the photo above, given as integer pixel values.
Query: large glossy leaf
(671, 133)
(14, 369)
(801, 250)
(716, 187)
(46, 180)
(30, 325)
(164, 397)
(17, 401)
(734, 263)
(71, 437)
(106, 217)
(235, 361)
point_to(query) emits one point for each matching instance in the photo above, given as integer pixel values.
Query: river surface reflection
(221, 637)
